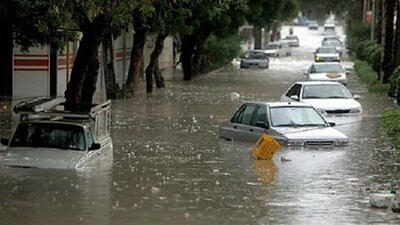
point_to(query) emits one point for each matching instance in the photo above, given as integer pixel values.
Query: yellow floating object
(265, 147)
(333, 75)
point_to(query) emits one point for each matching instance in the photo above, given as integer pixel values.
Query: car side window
(89, 138)
(260, 115)
(237, 116)
(247, 114)
(295, 90)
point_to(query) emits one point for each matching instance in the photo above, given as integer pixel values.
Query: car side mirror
(4, 141)
(264, 125)
(332, 124)
(356, 96)
(95, 146)
(294, 97)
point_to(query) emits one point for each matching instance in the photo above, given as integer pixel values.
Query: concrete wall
(32, 74)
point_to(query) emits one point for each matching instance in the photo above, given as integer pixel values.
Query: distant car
(333, 43)
(329, 29)
(293, 40)
(331, 38)
(255, 58)
(290, 123)
(277, 49)
(326, 54)
(313, 25)
(301, 21)
(326, 71)
(46, 138)
(330, 97)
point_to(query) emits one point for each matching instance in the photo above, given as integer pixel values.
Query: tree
(168, 19)
(26, 23)
(95, 19)
(387, 40)
(206, 17)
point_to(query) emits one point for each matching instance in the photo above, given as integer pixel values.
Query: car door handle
(251, 130)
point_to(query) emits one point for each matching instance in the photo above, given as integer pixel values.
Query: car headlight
(344, 141)
(355, 110)
(295, 143)
(316, 57)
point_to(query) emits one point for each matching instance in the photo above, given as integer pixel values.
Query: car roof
(281, 104)
(256, 50)
(333, 47)
(318, 83)
(74, 122)
(326, 63)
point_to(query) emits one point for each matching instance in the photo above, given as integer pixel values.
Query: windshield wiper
(312, 125)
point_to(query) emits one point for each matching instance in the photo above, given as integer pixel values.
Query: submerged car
(52, 138)
(277, 49)
(313, 25)
(290, 123)
(326, 71)
(330, 97)
(329, 28)
(326, 54)
(333, 43)
(331, 38)
(255, 58)
(293, 40)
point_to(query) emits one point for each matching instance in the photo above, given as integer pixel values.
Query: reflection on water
(265, 170)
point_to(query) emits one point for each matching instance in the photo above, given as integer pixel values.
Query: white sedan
(290, 123)
(327, 71)
(331, 97)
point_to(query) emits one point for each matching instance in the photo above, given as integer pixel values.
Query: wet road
(170, 167)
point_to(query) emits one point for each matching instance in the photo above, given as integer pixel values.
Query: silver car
(255, 58)
(333, 43)
(327, 71)
(293, 40)
(326, 54)
(58, 139)
(290, 123)
(330, 97)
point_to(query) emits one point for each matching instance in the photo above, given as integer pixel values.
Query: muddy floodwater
(170, 167)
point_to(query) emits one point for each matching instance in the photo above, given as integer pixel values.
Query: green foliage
(394, 90)
(368, 75)
(390, 121)
(221, 51)
(320, 10)
(264, 12)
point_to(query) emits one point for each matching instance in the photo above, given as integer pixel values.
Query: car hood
(325, 76)
(42, 158)
(333, 104)
(327, 55)
(310, 133)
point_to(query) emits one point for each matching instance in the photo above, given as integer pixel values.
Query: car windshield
(295, 117)
(331, 43)
(327, 68)
(291, 37)
(256, 55)
(327, 50)
(272, 46)
(49, 135)
(324, 91)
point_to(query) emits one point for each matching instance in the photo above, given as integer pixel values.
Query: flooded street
(170, 167)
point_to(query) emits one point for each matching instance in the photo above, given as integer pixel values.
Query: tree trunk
(160, 83)
(6, 60)
(139, 40)
(397, 38)
(378, 24)
(109, 71)
(151, 68)
(373, 21)
(257, 37)
(81, 87)
(186, 56)
(387, 41)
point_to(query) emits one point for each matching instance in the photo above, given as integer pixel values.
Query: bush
(394, 90)
(221, 51)
(390, 121)
(367, 74)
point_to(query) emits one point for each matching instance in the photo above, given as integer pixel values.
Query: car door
(259, 116)
(242, 123)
